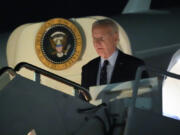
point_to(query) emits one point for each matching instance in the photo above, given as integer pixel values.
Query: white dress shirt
(110, 67)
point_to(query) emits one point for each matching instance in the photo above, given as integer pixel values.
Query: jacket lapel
(94, 72)
(117, 68)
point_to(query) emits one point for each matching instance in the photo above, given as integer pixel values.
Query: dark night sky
(15, 13)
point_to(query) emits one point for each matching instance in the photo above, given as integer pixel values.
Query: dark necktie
(103, 74)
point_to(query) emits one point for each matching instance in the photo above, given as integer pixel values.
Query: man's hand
(83, 96)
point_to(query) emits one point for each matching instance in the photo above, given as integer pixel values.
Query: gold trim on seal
(76, 52)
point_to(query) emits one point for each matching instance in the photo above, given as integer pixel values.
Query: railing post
(37, 77)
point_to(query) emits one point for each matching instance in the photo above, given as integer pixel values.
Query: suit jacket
(124, 70)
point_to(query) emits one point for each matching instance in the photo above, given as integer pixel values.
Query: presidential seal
(58, 43)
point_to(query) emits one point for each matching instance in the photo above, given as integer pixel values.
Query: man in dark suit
(113, 65)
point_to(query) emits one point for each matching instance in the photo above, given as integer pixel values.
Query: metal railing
(7, 69)
(139, 74)
(38, 70)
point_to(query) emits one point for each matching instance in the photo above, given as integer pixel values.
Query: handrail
(5, 69)
(53, 76)
(139, 74)
(162, 72)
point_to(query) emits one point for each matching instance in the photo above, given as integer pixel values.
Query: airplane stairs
(26, 105)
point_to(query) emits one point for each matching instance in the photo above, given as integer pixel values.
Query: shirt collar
(111, 59)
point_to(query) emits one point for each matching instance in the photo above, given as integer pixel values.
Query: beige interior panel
(12, 44)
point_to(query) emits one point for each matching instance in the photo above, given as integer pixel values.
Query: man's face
(104, 40)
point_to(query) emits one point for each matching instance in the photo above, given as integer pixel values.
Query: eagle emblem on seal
(58, 41)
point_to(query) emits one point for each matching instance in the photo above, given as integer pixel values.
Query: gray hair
(105, 22)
